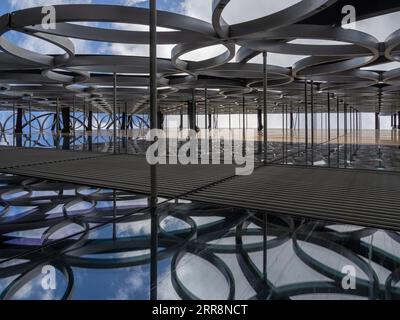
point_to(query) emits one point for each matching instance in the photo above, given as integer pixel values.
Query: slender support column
(191, 120)
(205, 109)
(66, 116)
(377, 121)
(181, 120)
(89, 127)
(18, 125)
(398, 126)
(230, 118)
(345, 133)
(161, 119)
(259, 120)
(30, 122)
(312, 122)
(244, 122)
(392, 120)
(13, 128)
(115, 113)
(265, 88)
(329, 130)
(73, 121)
(283, 133)
(329, 118)
(306, 115)
(123, 122)
(153, 168)
(395, 121)
(57, 123)
(338, 130)
(291, 121)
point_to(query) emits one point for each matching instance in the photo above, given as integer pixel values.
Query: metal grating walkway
(356, 197)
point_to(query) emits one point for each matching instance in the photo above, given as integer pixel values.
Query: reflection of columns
(66, 116)
(18, 125)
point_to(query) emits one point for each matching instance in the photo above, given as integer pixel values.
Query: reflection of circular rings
(28, 276)
(41, 59)
(195, 66)
(64, 244)
(207, 255)
(258, 27)
(74, 202)
(4, 208)
(368, 287)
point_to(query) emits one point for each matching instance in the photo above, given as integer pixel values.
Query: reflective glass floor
(364, 149)
(99, 244)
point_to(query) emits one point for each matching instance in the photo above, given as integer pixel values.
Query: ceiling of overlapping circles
(336, 66)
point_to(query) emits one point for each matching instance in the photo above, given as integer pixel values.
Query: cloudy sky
(236, 11)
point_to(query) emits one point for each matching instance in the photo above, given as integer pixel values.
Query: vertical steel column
(338, 129)
(399, 119)
(126, 126)
(312, 122)
(306, 116)
(73, 121)
(244, 120)
(30, 122)
(230, 118)
(153, 168)
(265, 88)
(115, 113)
(13, 129)
(58, 123)
(345, 133)
(205, 109)
(329, 130)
